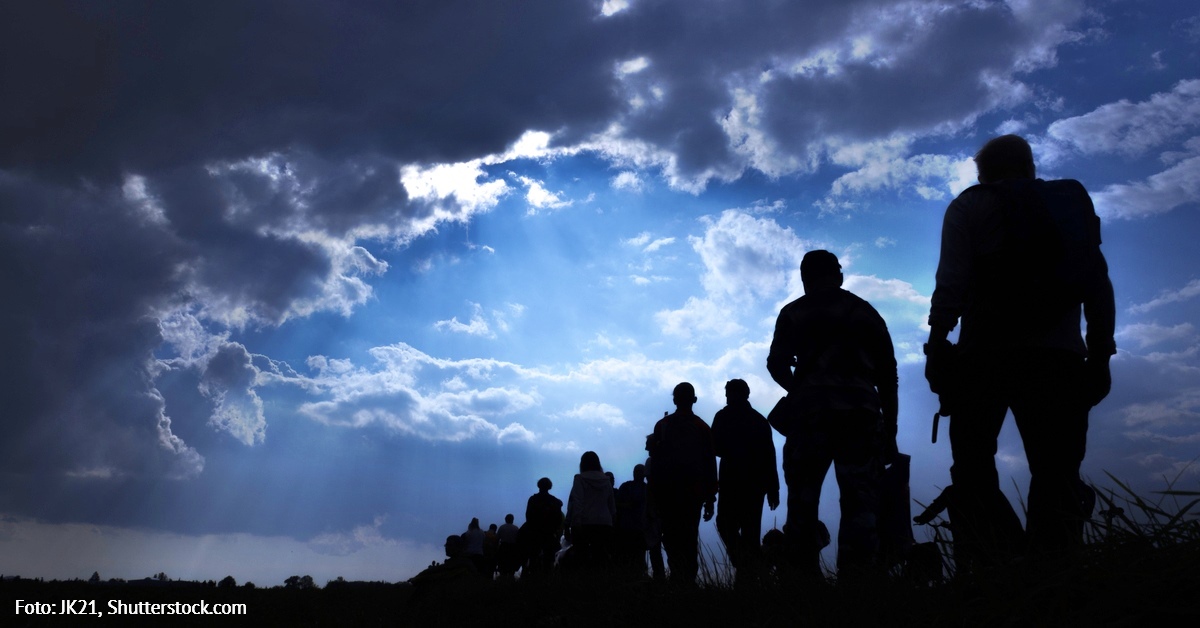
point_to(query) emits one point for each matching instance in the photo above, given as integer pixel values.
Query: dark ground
(1122, 586)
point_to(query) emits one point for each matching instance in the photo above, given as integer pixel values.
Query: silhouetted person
(842, 397)
(683, 482)
(542, 529)
(591, 509)
(748, 475)
(508, 554)
(1020, 257)
(630, 525)
(473, 542)
(455, 572)
(491, 547)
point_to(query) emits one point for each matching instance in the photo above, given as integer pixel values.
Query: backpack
(1050, 248)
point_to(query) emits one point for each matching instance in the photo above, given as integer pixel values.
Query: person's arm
(780, 358)
(1100, 310)
(770, 469)
(887, 383)
(953, 272)
(709, 474)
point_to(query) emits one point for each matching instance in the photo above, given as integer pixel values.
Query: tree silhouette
(299, 582)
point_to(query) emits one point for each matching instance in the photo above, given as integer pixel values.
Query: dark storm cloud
(136, 86)
(926, 77)
(81, 273)
(699, 51)
(89, 271)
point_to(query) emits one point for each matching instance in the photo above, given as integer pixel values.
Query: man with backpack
(833, 355)
(1019, 259)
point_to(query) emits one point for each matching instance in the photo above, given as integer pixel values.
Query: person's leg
(751, 521)
(689, 545)
(806, 460)
(653, 532)
(750, 540)
(739, 522)
(1053, 420)
(983, 512)
(729, 524)
(858, 469)
(680, 537)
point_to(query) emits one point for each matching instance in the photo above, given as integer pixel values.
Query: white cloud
(703, 317)
(413, 393)
(628, 180)
(645, 281)
(884, 242)
(931, 177)
(562, 446)
(459, 182)
(539, 197)
(515, 433)
(187, 462)
(743, 125)
(477, 326)
(658, 244)
(1160, 193)
(747, 257)
(531, 145)
(896, 300)
(1133, 128)
(614, 145)
(873, 288)
(1178, 410)
(228, 376)
(749, 262)
(363, 537)
(647, 242)
(1189, 291)
(612, 7)
(1011, 127)
(597, 412)
(410, 393)
(639, 240)
(503, 318)
(632, 66)
(1146, 334)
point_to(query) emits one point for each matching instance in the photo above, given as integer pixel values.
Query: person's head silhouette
(589, 461)
(684, 396)
(1005, 157)
(736, 390)
(820, 270)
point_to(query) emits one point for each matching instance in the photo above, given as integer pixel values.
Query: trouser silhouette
(1045, 391)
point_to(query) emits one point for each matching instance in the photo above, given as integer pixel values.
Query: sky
(301, 287)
